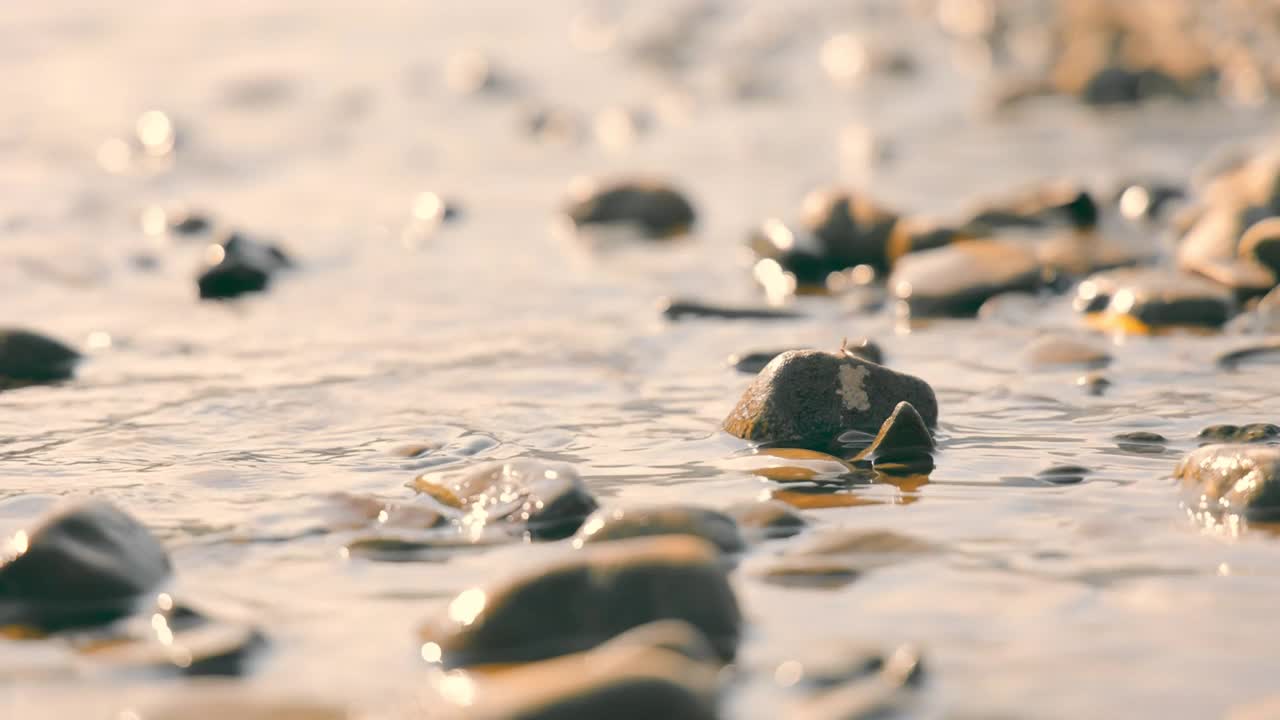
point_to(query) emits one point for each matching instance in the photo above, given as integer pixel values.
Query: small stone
(1115, 85)
(1140, 436)
(957, 279)
(183, 222)
(1093, 383)
(753, 362)
(904, 444)
(28, 357)
(174, 638)
(585, 599)
(887, 693)
(768, 518)
(864, 348)
(1232, 480)
(548, 500)
(1055, 205)
(1261, 242)
(1057, 350)
(86, 563)
(713, 526)
(1252, 433)
(1234, 358)
(656, 209)
(239, 265)
(810, 397)
(796, 256)
(1142, 300)
(850, 229)
(676, 310)
(1064, 474)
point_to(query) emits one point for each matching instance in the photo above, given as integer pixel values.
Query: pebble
(1064, 474)
(1252, 433)
(1261, 243)
(676, 310)
(1233, 358)
(1140, 436)
(86, 563)
(808, 398)
(713, 526)
(578, 602)
(904, 445)
(182, 222)
(653, 207)
(548, 500)
(1055, 205)
(174, 638)
(768, 519)
(1094, 383)
(957, 279)
(1058, 350)
(1232, 480)
(239, 265)
(1141, 300)
(850, 229)
(791, 260)
(26, 356)
(887, 692)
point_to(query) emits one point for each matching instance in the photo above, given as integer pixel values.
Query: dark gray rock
(713, 526)
(1049, 351)
(28, 357)
(768, 518)
(1094, 383)
(1239, 480)
(808, 398)
(957, 279)
(179, 639)
(904, 445)
(548, 500)
(1064, 474)
(1140, 436)
(1251, 433)
(653, 207)
(1146, 299)
(587, 598)
(676, 310)
(86, 563)
(1116, 85)
(851, 230)
(1061, 206)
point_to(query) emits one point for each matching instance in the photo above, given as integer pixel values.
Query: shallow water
(222, 426)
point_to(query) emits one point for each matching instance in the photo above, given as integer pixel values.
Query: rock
(850, 229)
(885, 693)
(904, 444)
(547, 500)
(1140, 436)
(633, 677)
(1261, 243)
(1252, 433)
(1232, 359)
(1064, 474)
(713, 526)
(173, 638)
(28, 357)
(790, 255)
(768, 518)
(864, 348)
(676, 310)
(957, 279)
(180, 222)
(1075, 254)
(1057, 350)
(84, 564)
(239, 265)
(808, 398)
(1093, 383)
(1146, 299)
(653, 207)
(1146, 443)
(1065, 206)
(1232, 480)
(753, 362)
(587, 598)
(1115, 85)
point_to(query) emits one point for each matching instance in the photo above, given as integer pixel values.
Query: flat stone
(1146, 299)
(548, 500)
(1049, 351)
(1232, 480)
(713, 526)
(808, 398)
(26, 356)
(676, 310)
(957, 279)
(1252, 433)
(586, 598)
(1261, 243)
(1064, 474)
(768, 518)
(84, 564)
(651, 206)
(1140, 436)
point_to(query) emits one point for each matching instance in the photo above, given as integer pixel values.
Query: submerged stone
(1057, 350)
(768, 518)
(957, 279)
(809, 398)
(676, 310)
(1146, 299)
(1252, 433)
(585, 599)
(1140, 436)
(653, 207)
(1232, 480)
(1064, 474)
(84, 564)
(549, 500)
(239, 265)
(713, 526)
(26, 356)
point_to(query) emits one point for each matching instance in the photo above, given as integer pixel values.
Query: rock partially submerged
(239, 265)
(713, 526)
(174, 639)
(957, 279)
(808, 398)
(652, 207)
(1251, 433)
(86, 563)
(548, 500)
(1048, 351)
(768, 518)
(903, 445)
(1149, 299)
(676, 310)
(585, 599)
(1232, 480)
(28, 357)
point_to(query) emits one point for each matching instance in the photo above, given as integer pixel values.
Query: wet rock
(1261, 243)
(808, 398)
(904, 444)
(1140, 436)
(713, 526)
(792, 255)
(1064, 474)
(653, 207)
(1251, 433)
(29, 357)
(1120, 86)
(957, 279)
(886, 692)
(864, 348)
(1065, 206)
(1057, 350)
(86, 563)
(239, 265)
(587, 598)
(1094, 384)
(633, 676)
(1232, 480)
(548, 500)
(768, 518)
(851, 230)
(1146, 299)
(676, 310)
(173, 638)
(1234, 358)
(753, 362)
(178, 222)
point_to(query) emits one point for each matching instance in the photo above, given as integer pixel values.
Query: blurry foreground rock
(651, 207)
(713, 526)
(546, 500)
(957, 279)
(1145, 300)
(239, 265)
(26, 357)
(874, 686)
(768, 519)
(584, 600)
(1232, 481)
